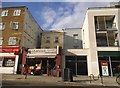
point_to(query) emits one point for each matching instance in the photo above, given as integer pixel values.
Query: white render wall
(89, 36)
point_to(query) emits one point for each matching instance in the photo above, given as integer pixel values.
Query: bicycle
(118, 79)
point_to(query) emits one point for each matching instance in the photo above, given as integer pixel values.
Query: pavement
(50, 80)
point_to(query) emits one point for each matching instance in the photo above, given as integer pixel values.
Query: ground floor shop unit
(43, 65)
(9, 60)
(112, 63)
(78, 64)
(82, 62)
(42, 61)
(76, 60)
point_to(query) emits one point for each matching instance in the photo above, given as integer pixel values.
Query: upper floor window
(15, 25)
(56, 40)
(4, 13)
(47, 39)
(12, 41)
(75, 36)
(1, 40)
(16, 12)
(2, 26)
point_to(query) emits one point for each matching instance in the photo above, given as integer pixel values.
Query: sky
(57, 15)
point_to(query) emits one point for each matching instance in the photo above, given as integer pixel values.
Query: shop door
(70, 63)
(44, 66)
(82, 65)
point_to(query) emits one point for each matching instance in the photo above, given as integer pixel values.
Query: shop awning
(108, 53)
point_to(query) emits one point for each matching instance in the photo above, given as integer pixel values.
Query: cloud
(49, 16)
(67, 15)
(71, 18)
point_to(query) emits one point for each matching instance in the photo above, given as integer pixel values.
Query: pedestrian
(34, 70)
(26, 71)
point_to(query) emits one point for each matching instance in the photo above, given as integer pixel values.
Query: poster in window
(104, 66)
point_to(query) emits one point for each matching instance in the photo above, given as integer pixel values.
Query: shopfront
(9, 60)
(42, 61)
(78, 64)
(112, 63)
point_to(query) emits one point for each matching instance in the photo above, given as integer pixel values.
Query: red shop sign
(104, 64)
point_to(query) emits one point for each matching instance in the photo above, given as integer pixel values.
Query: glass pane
(101, 39)
(8, 62)
(111, 39)
(101, 23)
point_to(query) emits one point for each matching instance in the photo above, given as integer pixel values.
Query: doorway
(78, 64)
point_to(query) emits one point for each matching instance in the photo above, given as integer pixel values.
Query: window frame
(75, 36)
(56, 40)
(5, 62)
(12, 41)
(2, 26)
(16, 12)
(15, 25)
(47, 39)
(1, 40)
(4, 13)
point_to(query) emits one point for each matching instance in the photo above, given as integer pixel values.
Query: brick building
(18, 29)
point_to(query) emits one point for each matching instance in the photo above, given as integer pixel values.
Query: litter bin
(67, 76)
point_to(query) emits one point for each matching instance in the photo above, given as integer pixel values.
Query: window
(75, 36)
(16, 13)
(15, 25)
(1, 40)
(12, 41)
(2, 26)
(4, 13)
(56, 40)
(1, 62)
(9, 62)
(48, 40)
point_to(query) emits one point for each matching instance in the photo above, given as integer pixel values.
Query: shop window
(9, 62)
(12, 41)
(4, 13)
(56, 40)
(1, 40)
(1, 62)
(2, 26)
(15, 25)
(16, 12)
(48, 40)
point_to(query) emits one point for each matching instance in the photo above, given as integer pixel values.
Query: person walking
(26, 71)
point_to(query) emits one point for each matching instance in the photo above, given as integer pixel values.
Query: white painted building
(100, 54)
(101, 36)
